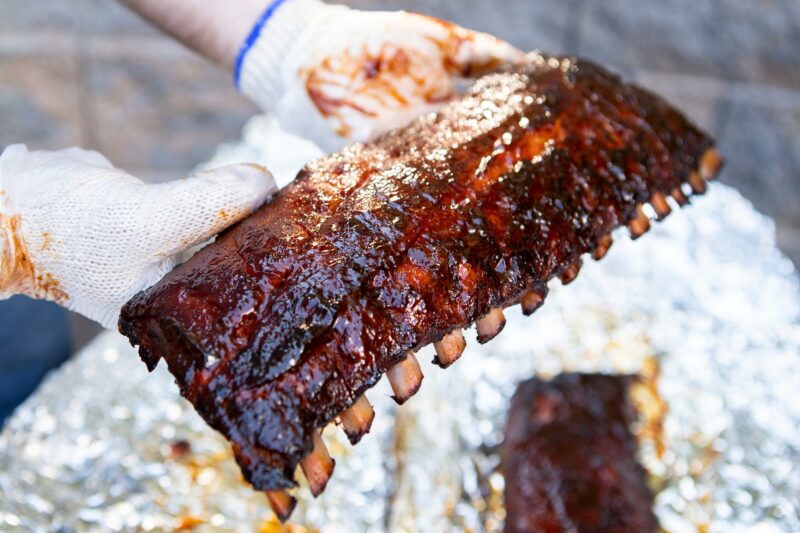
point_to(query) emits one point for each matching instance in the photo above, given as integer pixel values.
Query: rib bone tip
(450, 348)
(660, 205)
(357, 419)
(569, 275)
(317, 465)
(640, 224)
(282, 503)
(602, 247)
(405, 378)
(710, 163)
(697, 183)
(490, 325)
(531, 301)
(679, 196)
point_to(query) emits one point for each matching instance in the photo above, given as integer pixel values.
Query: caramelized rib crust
(283, 322)
(569, 458)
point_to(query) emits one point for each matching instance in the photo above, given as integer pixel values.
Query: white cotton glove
(337, 75)
(77, 231)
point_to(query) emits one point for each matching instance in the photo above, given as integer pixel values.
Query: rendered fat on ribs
(569, 458)
(281, 325)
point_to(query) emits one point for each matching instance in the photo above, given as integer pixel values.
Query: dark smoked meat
(569, 458)
(373, 252)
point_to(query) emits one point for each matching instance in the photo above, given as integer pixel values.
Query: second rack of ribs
(378, 250)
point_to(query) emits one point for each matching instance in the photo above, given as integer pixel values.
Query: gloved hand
(337, 75)
(76, 230)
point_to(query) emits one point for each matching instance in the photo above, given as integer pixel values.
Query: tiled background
(86, 72)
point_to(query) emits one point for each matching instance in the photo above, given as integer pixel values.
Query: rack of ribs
(569, 458)
(280, 326)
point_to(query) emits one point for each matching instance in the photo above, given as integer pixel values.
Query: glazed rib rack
(280, 326)
(569, 458)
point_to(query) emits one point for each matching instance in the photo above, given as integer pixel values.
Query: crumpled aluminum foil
(704, 307)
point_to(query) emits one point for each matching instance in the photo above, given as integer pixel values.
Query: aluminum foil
(704, 307)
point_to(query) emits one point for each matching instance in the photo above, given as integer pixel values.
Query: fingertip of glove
(17, 158)
(11, 156)
(252, 173)
(251, 176)
(16, 148)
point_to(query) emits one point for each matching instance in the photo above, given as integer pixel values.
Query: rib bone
(450, 348)
(490, 325)
(710, 163)
(697, 182)
(405, 378)
(602, 248)
(531, 301)
(660, 205)
(317, 465)
(282, 503)
(679, 196)
(640, 224)
(357, 419)
(569, 275)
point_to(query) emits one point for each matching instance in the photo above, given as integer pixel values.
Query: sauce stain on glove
(18, 274)
(385, 78)
(337, 75)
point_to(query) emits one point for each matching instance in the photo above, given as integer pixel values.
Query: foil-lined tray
(704, 307)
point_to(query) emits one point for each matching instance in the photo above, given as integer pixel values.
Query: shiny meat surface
(283, 322)
(569, 458)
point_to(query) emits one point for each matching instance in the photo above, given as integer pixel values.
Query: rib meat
(569, 458)
(371, 253)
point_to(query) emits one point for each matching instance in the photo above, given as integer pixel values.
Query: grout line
(18, 44)
(158, 47)
(571, 40)
(86, 110)
(724, 112)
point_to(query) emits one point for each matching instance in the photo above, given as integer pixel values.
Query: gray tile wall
(90, 73)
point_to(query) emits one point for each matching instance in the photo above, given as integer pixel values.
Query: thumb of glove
(181, 214)
(75, 230)
(175, 216)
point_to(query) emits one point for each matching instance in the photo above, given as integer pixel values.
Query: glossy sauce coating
(286, 319)
(569, 458)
